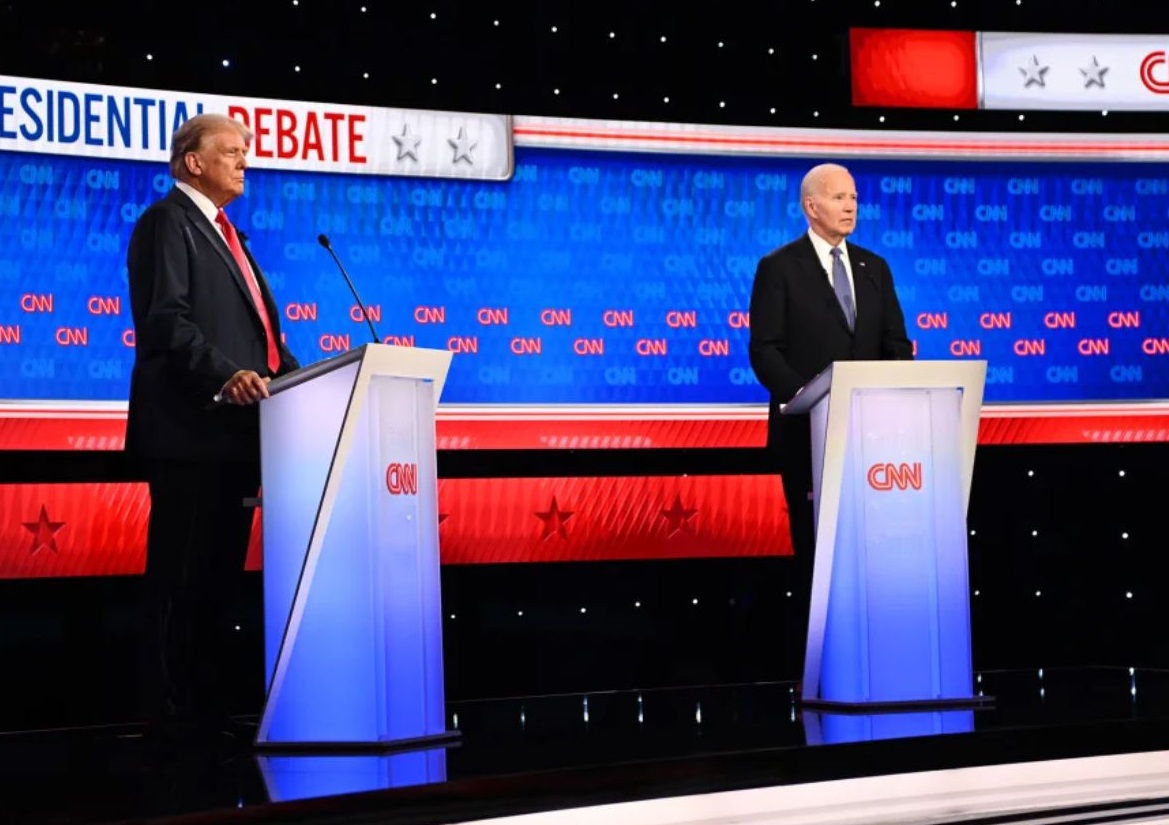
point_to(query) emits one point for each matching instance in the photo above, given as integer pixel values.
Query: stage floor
(748, 751)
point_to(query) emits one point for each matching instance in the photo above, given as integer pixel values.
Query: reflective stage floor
(527, 755)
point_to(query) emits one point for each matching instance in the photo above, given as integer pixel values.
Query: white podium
(892, 459)
(352, 597)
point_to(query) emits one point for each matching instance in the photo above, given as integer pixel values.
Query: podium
(892, 459)
(352, 597)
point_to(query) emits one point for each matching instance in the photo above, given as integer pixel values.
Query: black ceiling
(404, 49)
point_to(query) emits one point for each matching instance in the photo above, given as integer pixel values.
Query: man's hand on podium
(245, 387)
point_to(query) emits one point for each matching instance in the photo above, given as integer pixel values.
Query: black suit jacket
(195, 326)
(798, 327)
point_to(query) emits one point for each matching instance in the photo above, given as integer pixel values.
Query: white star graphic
(1034, 73)
(407, 143)
(1094, 74)
(462, 146)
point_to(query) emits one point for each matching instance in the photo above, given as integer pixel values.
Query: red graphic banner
(53, 530)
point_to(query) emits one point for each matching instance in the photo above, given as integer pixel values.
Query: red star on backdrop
(678, 517)
(554, 519)
(44, 532)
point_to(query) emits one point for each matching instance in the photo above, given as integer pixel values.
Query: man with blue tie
(817, 300)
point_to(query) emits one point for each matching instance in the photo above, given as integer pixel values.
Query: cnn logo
(402, 479)
(902, 476)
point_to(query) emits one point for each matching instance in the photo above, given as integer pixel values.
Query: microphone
(323, 240)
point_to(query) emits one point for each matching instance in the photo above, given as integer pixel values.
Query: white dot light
(1022, 117)
(788, 594)
(973, 532)
(363, 10)
(226, 62)
(554, 30)
(771, 51)
(1039, 593)
(955, 117)
(877, 3)
(499, 85)
(1128, 594)
(296, 68)
(1121, 473)
(772, 110)
(452, 615)
(881, 119)
(296, 2)
(1034, 532)
(663, 38)
(584, 610)
(519, 612)
(665, 100)
(365, 75)
(495, 22)
(977, 592)
(1104, 113)
(149, 57)
(1124, 535)
(637, 604)
(615, 95)
(815, 114)
(433, 81)
(720, 44)
(612, 35)
(1030, 473)
(555, 91)
(433, 16)
(722, 104)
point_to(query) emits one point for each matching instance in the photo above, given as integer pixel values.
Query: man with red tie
(207, 342)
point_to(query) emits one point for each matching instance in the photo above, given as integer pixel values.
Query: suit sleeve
(895, 343)
(160, 269)
(769, 333)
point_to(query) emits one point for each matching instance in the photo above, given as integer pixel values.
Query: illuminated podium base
(892, 459)
(352, 597)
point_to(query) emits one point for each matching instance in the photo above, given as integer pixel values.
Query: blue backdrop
(595, 277)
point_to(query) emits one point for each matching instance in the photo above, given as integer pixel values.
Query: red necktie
(237, 252)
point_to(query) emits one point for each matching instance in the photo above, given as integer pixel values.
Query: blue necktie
(843, 288)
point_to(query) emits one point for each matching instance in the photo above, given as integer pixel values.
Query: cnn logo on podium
(888, 476)
(402, 479)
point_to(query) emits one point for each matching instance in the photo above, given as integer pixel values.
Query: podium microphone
(323, 240)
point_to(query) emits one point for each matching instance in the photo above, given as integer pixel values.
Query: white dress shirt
(824, 254)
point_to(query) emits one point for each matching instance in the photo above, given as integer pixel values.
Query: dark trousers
(196, 546)
(795, 467)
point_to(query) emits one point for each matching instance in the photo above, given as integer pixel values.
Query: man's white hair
(813, 182)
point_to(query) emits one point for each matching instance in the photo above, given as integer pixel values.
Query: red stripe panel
(911, 68)
(104, 432)
(57, 530)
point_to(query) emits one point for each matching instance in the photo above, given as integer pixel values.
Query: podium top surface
(410, 362)
(848, 375)
(297, 377)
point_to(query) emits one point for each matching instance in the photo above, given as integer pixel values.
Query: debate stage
(1086, 744)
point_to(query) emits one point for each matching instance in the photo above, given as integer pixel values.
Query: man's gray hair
(812, 179)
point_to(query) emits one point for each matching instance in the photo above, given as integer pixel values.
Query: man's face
(218, 166)
(831, 207)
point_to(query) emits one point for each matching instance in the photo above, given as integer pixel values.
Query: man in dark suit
(207, 342)
(814, 301)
